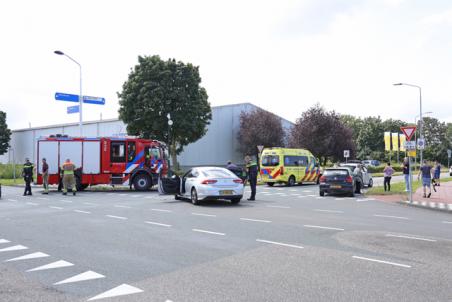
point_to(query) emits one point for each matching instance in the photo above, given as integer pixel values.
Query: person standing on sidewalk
(388, 171)
(406, 173)
(45, 176)
(252, 170)
(27, 173)
(426, 172)
(436, 174)
(68, 170)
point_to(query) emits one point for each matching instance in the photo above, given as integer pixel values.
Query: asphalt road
(289, 245)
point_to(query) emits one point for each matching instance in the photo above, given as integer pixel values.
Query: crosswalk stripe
(121, 290)
(88, 275)
(56, 264)
(29, 256)
(14, 248)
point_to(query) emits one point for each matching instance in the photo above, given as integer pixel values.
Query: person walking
(388, 172)
(406, 173)
(27, 173)
(358, 172)
(45, 176)
(252, 170)
(426, 172)
(436, 174)
(68, 170)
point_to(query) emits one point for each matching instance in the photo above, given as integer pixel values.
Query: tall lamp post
(80, 97)
(421, 133)
(170, 123)
(415, 135)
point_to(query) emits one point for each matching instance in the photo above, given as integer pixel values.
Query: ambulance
(288, 166)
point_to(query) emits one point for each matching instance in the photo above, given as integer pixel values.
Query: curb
(441, 206)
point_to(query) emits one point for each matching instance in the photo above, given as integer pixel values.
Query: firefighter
(45, 176)
(251, 167)
(68, 170)
(27, 173)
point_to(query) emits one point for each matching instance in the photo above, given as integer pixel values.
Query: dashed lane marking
(448, 222)
(121, 206)
(56, 208)
(90, 204)
(32, 203)
(121, 290)
(382, 261)
(202, 214)
(83, 212)
(28, 256)
(312, 195)
(158, 223)
(208, 232)
(280, 243)
(410, 237)
(322, 227)
(14, 248)
(161, 210)
(329, 211)
(255, 220)
(88, 275)
(66, 200)
(278, 207)
(13, 200)
(116, 217)
(53, 265)
(135, 196)
(389, 216)
(43, 198)
(4, 241)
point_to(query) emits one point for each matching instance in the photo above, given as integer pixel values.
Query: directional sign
(408, 131)
(421, 144)
(409, 145)
(59, 96)
(93, 100)
(73, 109)
(346, 153)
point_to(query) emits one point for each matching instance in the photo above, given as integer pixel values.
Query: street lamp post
(80, 97)
(170, 123)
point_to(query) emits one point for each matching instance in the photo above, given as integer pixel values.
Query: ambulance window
(131, 151)
(117, 152)
(270, 160)
(295, 161)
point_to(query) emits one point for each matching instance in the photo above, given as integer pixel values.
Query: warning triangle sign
(408, 131)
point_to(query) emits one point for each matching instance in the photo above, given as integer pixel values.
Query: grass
(11, 182)
(381, 174)
(399, 187)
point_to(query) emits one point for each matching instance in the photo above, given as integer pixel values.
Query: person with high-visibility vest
(251, 166)
(68, 170)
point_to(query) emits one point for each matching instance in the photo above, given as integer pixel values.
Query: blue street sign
(73, 109)
(93, 100)
(59, 96)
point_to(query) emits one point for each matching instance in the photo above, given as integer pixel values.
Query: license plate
(226, 192)
(335, 187)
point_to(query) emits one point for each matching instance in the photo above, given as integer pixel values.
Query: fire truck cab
(106, 160)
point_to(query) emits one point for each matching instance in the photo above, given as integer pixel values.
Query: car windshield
(270, 160)
(218, 173)
(335, 172)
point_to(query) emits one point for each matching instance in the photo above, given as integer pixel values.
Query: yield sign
(408, 131)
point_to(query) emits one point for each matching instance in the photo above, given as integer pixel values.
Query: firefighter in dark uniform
(251, 167)
(27, 173)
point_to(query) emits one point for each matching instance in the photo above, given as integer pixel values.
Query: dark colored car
(338, 181)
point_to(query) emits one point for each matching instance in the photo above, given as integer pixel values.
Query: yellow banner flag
(402, 143)
(395, 141)
(388, 141)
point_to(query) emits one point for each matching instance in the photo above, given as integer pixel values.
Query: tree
(5, 134)
(370, 141)
(156, 88)
(436, 140)
(259, 127)
(352, 122)
(322, 133)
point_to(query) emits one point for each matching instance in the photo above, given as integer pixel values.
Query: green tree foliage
(354, 123)
(259, 127)
(436, 140)
(5, 133)
(155, 88)
(323, 133)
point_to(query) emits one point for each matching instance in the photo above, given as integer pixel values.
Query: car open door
(169, 185)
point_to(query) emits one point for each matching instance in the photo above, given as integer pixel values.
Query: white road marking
(90, 204)
(88, 275)
(208, 232)
(159, 224)
(329, 211)
(56, 264)
(293, 190)
(312, 195)
(339, 198)
(32, 203)
(302, 196)
(255, 220)
(322, 227)
(13, 200)
(117, 217)
(307, 191)
(29, 256)
(161, 210)
(121, 290)
(43, 198)
(410, 237)
(202, 214)
(135, 196)
(4, 241)
(80, 211)
(56, 208)
(447, 222)
(149, 197)
(279, 207)
(319, 197)
(382, 261)
(294, 194)
(124, 207)
(67, 201)
(14, 248)
(279, 243)
(389, 216)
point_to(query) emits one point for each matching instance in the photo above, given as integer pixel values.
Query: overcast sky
(283, 56)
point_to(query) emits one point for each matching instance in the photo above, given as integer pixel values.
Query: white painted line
(338, 198)
(88, 275)
(319, 197)
(389, 216)
(124, 207)
(80, 211)
(362, 199)
(302, 196)
(149, 197)
(29, 256)
(90, 204)
(116, 217)
(278, 207)
(32, 203)
(322, 227)
(14, 248)
(67, 201)
(279, 243)
(307, 191)
(410, 237)
(56, 208)
(449, 222)
(208, 232)
(43, 198)
(160, 224)
(56, 264)
(369, 199)
(255, 220)
(329, 211)
(312, 195)
(161, 210)
(121, 290)
(13, 200)
(7, 241)
(135, 196)
(293, 190)
(381, 261)
(202, 214)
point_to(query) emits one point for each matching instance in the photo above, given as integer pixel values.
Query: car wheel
(291, 181)
(142, 182)
(235, 200)
(194, 197)
(371, 183)
(270, 184)
(322, 193)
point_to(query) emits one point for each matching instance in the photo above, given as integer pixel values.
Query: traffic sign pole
(409, 145)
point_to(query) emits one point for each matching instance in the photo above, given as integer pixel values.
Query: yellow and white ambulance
(288, 166)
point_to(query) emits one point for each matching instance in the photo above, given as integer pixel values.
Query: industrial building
(219, 145)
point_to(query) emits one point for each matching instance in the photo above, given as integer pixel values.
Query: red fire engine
(106, 160)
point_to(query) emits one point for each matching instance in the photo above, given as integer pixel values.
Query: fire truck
(125, 161)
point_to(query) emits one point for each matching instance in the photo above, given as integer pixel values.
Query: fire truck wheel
(142, 182)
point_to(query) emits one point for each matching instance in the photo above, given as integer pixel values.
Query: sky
(284, 56)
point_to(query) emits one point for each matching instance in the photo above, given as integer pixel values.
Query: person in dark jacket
(251, 166)
(27, 173)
